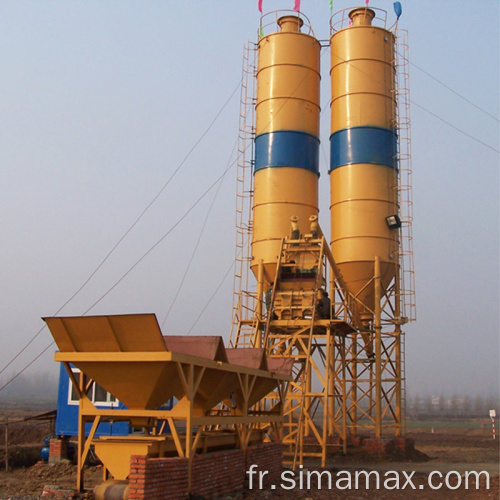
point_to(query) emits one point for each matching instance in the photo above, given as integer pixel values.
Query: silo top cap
(291, 24)
(361, 16)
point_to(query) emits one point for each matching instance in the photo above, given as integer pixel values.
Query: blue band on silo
(287, 148)
(363, 145)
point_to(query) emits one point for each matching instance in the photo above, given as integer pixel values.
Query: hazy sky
(102, 100)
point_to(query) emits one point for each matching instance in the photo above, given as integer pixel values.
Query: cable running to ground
(26, 367)
(438, 117)
(199, 238)
(160, 240)
(130, 270)
(455, 92)
(141, 215)
(212, 297)
(455, 128)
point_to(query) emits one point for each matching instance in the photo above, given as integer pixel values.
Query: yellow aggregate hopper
(128, 357)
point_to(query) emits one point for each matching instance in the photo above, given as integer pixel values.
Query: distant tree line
(453, 406)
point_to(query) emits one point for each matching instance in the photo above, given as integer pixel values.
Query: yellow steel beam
(175, 436)
(149, 357)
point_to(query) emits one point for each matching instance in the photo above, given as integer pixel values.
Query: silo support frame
(374, 401)
(375, 380)
(378, 351)
(352, 390)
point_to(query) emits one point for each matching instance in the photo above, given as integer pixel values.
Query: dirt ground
(459, 447)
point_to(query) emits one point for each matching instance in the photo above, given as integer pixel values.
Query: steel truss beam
(347, 376)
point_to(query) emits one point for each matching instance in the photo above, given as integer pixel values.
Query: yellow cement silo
(287, 139)
(363, 146)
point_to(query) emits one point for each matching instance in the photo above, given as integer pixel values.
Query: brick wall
(395, 447)
(155, 478)
(214, 474)
(267, 457)
(58, 450)
(218, 473)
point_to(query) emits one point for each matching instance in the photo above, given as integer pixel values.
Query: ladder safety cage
(404, 161)
(244, 300)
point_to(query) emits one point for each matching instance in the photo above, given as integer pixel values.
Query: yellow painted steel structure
(327, 353)
(364, 187)
(363, 182)
(349, 360)
(287, 118)
(128, 357)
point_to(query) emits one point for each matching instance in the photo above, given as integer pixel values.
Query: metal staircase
(314, 406)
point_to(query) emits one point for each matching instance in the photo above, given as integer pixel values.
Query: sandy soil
(448, 448)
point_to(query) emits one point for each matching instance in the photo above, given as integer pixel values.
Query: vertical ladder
(403, 383)
(244, 301)
(405, 196)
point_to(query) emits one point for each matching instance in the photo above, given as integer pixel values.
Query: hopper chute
(129, 357)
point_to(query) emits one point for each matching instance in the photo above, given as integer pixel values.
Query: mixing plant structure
(336, 306)
(317, 347)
